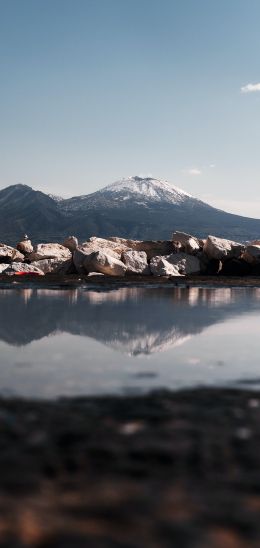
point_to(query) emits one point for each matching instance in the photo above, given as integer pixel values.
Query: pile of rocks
(183, 255)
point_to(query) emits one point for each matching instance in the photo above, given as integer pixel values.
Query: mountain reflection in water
(133, 322)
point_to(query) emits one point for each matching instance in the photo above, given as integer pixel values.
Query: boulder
(71, 243)
(191, 246)
(105, 264)
(79, 257)
(23, 268)
(161, 267)
(49, 251)
(136, 262)
(25, 247)
(188, 243)
(184, 263)
(10, 254)
(204, 261)
(213, 267)
(252, 253)
(236, 267)
(113, 249)
(152, 248)
(219, 248)
(55, 266)
(3, 267)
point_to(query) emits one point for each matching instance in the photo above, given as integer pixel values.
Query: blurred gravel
(164, 470)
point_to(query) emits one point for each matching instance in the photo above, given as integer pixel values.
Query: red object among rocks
(27, 274)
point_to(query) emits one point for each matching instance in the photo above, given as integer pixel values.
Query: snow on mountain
(134, 190)
(142, 208)
(149, 188)
(56, 198)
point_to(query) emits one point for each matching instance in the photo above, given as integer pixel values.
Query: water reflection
(72, 342)
(130, 320)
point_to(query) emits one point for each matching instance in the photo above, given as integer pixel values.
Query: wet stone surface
(161, 470)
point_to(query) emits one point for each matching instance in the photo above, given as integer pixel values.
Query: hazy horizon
(93, 91)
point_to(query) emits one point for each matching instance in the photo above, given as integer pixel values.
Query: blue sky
(94, 90)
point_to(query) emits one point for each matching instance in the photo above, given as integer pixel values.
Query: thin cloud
(250, 88)
(193, 171)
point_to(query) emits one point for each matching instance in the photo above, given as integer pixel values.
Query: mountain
(24, 210)
(133, 207)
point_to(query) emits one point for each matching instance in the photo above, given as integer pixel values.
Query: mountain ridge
(134, 207)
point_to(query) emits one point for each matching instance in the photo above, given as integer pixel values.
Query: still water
(131, 340)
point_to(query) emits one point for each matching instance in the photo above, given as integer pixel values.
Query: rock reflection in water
(132, 320)
(67, 327)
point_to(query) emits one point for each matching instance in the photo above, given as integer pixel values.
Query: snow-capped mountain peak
(56, 198)
(149, 188)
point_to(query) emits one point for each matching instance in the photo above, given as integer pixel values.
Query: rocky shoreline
(166, 469)
(182, 256)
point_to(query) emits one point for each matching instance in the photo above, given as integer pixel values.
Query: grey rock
(71, 243)
(161, 267)
(55, 266)
(10, 253)
(79, 256)
(49, 251)
(252, 254)
(114, 249)
(152, 248)
(184, 263)
(189, 243)
(15, 268)
(25, 247)
(104, 263)
(219, 248)
(136, 262)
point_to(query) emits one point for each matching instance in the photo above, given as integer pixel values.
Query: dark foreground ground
(164, 470)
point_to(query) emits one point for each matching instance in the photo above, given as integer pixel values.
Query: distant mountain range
(134, 207)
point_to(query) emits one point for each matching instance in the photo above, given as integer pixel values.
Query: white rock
(49, 251)
(189, 243)
(161, 267)
(136, 262)
(104, 263)
(184, 263)
(71, 243)
(94, 245)
(56, 266)
(192, 246)
(114, 249)
(10, 253)
(152, 248)
(219, 248)
(3, 267)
